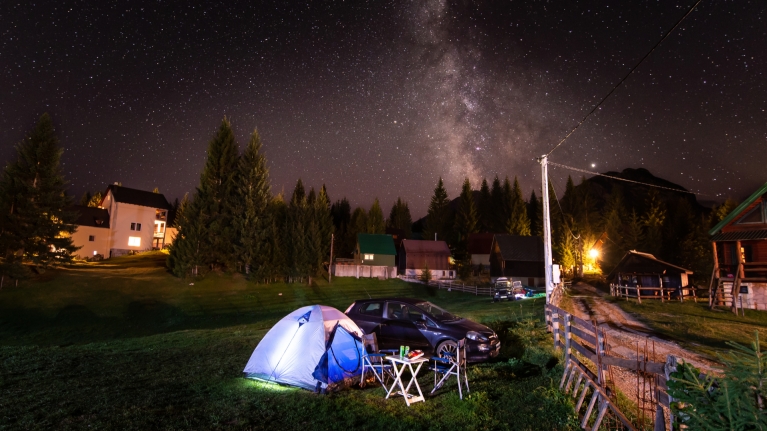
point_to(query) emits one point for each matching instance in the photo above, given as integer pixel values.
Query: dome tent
(314, 347)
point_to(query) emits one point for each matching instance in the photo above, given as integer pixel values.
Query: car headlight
(475, 336)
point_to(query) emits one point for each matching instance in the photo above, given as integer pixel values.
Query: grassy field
(123, 345)
(695, 326)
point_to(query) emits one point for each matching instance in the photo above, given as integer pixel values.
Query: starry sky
(380, 98)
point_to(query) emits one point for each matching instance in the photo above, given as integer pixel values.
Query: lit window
(95, 252)
(368, 257)
(134, 241)
(91, 238)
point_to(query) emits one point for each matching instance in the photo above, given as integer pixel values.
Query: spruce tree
(342, 214)
(187, 253)
(518, 222)
(438, 216)
(298, 234)
(465, 221)
(324, 222)
(85, 199)
(485, 208)
(614, 214)
(36, 223)
(633, 238)
(376, 223)
(399, 217)
(358, 224)
(497, 215)
(252, 221)
(278, 263)
(653, 220)
(507, 198)
(535, 214)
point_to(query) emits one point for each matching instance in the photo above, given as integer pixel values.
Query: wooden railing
(586, 363)
(461, 287)
(662, 293)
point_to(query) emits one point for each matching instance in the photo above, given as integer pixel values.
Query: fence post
(639, 295)
(555, 319)
(600, 351)
(567, 338)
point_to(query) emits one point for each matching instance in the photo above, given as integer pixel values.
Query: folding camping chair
(373, 360)
(452, 364)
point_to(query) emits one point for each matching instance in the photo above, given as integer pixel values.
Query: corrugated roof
(731, 216)
(480, 243)
(652, 264)
(138, 197)
(91, 216)
(520, 248)
(423, 246)
(740, 236)
(376, 244)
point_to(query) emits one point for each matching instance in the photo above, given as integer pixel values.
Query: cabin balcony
(159, 234)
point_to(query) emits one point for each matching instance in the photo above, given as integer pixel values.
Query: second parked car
(424, 326)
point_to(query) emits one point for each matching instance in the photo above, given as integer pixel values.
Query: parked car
(424, 326)
(502, 293)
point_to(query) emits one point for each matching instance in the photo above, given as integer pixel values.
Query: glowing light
(95, 252)
(593, 165)
(134, 241)
(594, 253)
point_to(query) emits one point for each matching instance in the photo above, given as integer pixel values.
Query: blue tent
(315, 347)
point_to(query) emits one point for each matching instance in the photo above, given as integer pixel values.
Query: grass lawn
(124, 345)
(695, 326)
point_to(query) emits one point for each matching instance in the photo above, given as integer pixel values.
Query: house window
(134, 241)
(135, 226)
(368, 257)
(744, 288)
(91, 238)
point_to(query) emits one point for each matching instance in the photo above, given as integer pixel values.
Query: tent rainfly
(315, 348)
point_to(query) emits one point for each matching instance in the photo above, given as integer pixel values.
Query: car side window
(372, 309)
(397, 311)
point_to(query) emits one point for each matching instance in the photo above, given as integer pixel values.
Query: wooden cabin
(415, 255)
(518, 258)
(739, 244)
(651, 276)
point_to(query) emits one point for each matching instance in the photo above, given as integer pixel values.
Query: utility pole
(547, 259)
(330, 265)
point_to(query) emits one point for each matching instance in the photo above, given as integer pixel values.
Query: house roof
(636, 261)
(91, 216)
(739, 209)
(740, 235)
(480, 243)
(422, 246)
(376, 244)
(520, 248)
(138, 197)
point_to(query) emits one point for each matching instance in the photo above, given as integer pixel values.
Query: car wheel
(449, 346)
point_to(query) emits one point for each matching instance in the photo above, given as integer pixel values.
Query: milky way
(380, 99)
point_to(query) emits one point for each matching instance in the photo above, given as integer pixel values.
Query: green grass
(124, 345)
(695, 326)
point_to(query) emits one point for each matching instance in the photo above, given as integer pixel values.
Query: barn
(415, 255)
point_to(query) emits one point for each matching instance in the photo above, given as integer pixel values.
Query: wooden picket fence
(662, 293)
(451, 285)
(586, 364)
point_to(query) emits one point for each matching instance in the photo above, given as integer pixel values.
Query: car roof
(405, 300)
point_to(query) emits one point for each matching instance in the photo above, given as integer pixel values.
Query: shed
(374, 249)
(518, 258)
(637, 269)
(479, 248)
(415, 255)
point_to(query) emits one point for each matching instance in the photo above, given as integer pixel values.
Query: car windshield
(438, 313)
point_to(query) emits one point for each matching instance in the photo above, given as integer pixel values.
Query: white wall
(436, 274)
(121, 215)
(100, 243)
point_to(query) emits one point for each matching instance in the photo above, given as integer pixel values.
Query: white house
(136, 220)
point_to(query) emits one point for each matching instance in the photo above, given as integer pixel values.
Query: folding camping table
(399, 363)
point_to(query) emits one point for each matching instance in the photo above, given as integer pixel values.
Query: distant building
(637, 269)
(518, 258)
(479, 248)
(739, 245)
(415, 255)
(374, 256)
(127, 220)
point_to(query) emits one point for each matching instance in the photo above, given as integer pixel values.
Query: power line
(625, 77)
(624, 179)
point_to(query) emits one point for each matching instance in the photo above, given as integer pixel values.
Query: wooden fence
(587, 361)
(461, 287)
(662, 293)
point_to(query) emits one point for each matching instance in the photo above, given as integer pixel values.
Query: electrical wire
(625, 77)
(559, 165)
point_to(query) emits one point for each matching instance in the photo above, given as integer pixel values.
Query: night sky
(381, 98)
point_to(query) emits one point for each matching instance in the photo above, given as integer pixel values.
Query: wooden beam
(738, 276)
(712, 288)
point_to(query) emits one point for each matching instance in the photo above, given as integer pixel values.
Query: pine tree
(723, 210)
(376, 223)
(653, 220)
(507, 197)
(298, 240)
(358, 224)
(633, 238)
(342, 214)
(85, 199)
(535, 214)
(399, 217)
(35, 221)
(324, 222)
(278, 263)
(438, 216)
(614, 214)
(95, 200)
(518, 222)
(251, 219)
(465, 220)
(186, 255)
(485, 208)
(498, 213)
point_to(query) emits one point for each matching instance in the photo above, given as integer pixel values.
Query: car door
(399, 328)
(369, 316)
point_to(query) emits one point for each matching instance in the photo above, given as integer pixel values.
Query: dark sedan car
(422, 325)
